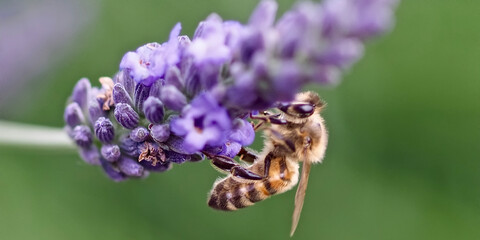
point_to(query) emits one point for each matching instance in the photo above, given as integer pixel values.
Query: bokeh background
(403, 160)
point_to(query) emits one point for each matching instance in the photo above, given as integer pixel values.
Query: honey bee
(296, 134)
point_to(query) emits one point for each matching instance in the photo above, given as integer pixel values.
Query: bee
(296, 134)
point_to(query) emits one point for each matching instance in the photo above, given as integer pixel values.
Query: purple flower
(230, 149)
(150, 61)
(142, 64)
(242, 132)
(208, 45)
(204, 122)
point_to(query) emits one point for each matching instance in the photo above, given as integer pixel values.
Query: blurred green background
(403, 156)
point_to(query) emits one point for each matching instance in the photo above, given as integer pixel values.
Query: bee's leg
(300, 110)
(266, 167)
(229, 165)
(244, 173)
(247, 155)
(222, 162)
(267, 117)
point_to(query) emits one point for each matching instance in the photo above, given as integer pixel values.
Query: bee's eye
(303, 108)
(300, 110)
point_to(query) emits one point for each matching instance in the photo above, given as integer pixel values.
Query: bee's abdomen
(229, 194)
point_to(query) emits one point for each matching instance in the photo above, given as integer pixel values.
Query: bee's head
(304, 105)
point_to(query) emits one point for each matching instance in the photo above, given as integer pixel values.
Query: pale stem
(12, 133)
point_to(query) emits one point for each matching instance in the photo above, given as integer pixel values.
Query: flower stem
(20, 134)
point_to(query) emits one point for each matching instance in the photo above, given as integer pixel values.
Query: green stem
(20, 134)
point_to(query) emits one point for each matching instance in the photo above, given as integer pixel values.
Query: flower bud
(173, 98)
(183, 43)
(123, 77)
(176, 157)
(264, 15)
(104, 130)
(342, 53)
(94, 110)
(153, 110)
(155, 89)
(173, 77)
(178, 145)
(73, 115)
(129, 147)
(160, 133)
(82, 136)
(110, 152)
(112, 172)
(130, 167)
(120, 95)
(126, 116)
(90, 155)
(141, 94)
(80, 92)
(139, 134)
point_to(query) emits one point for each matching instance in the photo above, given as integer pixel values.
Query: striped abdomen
(232, 193)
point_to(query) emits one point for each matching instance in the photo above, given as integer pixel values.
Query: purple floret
(203, 123)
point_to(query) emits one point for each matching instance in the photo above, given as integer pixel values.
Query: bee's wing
(300, 195)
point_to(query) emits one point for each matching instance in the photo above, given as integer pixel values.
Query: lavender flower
(150, 62)
(171, 102)
(203, 123)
